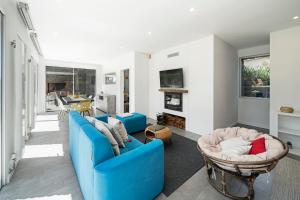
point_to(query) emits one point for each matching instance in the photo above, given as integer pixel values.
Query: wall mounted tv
(171, 78)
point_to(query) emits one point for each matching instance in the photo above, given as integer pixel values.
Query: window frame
(240, 75)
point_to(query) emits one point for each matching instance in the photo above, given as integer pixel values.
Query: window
(255, 76)
(70, 81)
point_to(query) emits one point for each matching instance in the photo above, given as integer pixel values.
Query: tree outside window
(255, 76)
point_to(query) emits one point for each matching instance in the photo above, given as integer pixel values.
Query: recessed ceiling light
(149, 33)
(192, 9)
(121, 47)
(295, 17)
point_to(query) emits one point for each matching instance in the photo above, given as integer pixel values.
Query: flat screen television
(171, 78)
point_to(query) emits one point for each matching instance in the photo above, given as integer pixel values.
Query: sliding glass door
(64, 81)
(84, 81)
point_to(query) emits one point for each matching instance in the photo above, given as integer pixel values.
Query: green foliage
(259, 72)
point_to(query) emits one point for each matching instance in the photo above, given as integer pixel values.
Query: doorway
(126, 90)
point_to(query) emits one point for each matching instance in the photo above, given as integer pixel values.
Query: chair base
(222, 188)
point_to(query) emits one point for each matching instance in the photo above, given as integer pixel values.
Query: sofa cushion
(90, 119)
(103, 129)
(131, 144)
(135, 123)
(233, 142)
(115, 134)
(258, 146)
(119, 126)
(237, 150)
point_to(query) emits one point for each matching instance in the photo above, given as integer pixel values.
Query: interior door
(126, 90)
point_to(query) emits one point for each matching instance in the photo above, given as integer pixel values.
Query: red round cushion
(258, 146)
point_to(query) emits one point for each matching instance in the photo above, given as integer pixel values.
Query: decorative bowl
(286, 109)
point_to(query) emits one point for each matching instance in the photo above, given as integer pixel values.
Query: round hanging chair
(245, 167)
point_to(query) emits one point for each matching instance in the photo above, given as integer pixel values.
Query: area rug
(182, 161)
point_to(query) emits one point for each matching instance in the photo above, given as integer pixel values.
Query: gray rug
(182, 161)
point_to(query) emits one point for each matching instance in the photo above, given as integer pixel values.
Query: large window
(255, 76)
(69, 81)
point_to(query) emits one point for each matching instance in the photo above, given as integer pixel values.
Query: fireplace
(54, 87)
(173, 101)
(174, 120)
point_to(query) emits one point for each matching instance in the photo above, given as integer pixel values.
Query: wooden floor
(47, 173)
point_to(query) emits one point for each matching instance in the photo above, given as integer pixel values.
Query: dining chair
(63, 109)
(83, 107)
(51, 96)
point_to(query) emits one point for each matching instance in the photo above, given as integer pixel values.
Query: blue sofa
(138, 173)
(135, 123)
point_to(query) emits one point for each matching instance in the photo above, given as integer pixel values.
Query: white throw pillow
(237, 150)
(103, 129)
(118, 126)
(92, 120)
(115, 134)
(233, 142)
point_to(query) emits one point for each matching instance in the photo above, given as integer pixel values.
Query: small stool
(164, 134)
(134, 123)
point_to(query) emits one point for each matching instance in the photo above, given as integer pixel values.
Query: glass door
(84, 82)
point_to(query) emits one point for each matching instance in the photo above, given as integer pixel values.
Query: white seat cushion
(237, 151)
(233, 142)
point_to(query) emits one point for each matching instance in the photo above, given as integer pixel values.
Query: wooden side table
(164, 134)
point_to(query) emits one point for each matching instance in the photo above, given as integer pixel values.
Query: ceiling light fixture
(192, 9)
(149, 33)
(36, 43)
(295, 17)
(25, 14)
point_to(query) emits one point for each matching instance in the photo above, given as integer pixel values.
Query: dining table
(70, 99)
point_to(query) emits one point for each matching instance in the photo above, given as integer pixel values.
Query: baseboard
(254, 125)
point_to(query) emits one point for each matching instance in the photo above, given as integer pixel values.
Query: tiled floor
(47, 172)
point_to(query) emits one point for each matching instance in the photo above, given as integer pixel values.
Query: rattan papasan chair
(246, 167)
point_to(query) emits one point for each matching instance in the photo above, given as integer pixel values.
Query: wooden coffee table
(158, 132)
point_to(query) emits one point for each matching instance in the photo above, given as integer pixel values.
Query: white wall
(116, 65)
(141, 83)
(14, 26)
(57, 63)
(225, 84)
(253, 111)
(200, 78)
(137, 63)
(158, 62)
(196, 59)
(285, 72)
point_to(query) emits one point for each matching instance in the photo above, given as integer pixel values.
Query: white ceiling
(93, 31)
